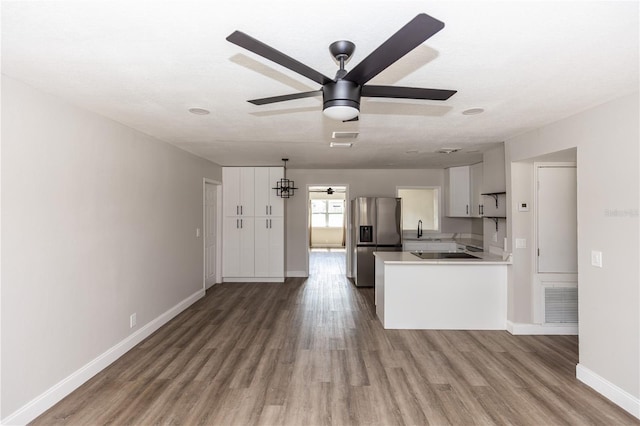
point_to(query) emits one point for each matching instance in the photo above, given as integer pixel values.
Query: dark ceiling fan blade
(402, 42)
(406, 93)
(268, 52)
(292, 96)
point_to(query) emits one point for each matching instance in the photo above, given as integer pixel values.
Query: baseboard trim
(57, 392)
(517, 328)
(618, 396)
(297, 274)
(253, 280)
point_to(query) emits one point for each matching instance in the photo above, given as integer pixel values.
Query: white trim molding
(253, 280)
(57, 392)
(517, 328)
(301, 274)
(618, 396)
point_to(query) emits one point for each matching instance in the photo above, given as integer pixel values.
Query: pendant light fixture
(285, 188)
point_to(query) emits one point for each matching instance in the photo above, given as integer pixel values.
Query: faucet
(419, 228)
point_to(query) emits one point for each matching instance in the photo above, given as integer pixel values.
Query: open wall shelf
(494, 195)
(495, 219)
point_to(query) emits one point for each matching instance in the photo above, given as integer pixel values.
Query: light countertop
(405, 257)
(427, 239)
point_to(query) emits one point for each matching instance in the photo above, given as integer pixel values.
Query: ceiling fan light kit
(341, 94)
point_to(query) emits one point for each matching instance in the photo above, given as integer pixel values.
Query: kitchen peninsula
(446, 293)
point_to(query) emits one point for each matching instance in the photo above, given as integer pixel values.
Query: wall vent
(345, 135)
(561, 305)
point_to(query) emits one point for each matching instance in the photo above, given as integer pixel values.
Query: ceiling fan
(341, 95)
(329, 190)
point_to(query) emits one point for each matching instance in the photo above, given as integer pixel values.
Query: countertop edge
(406, 258)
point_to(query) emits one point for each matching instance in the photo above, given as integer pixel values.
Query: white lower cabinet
(239, 236)
(269, 247)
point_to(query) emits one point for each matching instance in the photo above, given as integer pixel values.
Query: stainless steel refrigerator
(375, 226)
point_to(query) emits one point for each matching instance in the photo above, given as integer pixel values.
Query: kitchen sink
(443, 255)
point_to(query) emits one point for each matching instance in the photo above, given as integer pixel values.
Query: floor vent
(561, 305)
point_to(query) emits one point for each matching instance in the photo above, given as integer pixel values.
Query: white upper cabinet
(476, 177)
(464, 191)
(267, 203)
(458, 191)
(238, 191)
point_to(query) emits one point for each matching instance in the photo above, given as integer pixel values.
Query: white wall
(98, 222)
(606, 138)
(362, 183)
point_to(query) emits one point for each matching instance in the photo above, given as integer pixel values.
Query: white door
(557, 220)
(210, 208)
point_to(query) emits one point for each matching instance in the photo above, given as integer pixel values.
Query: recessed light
(411, 151)
(198, 111)
(340, 144)
(473, 111)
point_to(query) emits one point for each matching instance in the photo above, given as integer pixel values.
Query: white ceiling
(145, 63)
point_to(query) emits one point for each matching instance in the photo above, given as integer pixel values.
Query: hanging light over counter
(285, 188)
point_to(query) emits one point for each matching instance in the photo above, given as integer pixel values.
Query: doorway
(327, 229)
(212, 204)
(556, 255)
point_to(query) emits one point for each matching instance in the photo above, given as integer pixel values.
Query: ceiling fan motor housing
(341, 93)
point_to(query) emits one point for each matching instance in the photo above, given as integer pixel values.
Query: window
(420, 203)
(327, 213)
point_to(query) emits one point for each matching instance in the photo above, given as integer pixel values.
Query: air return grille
(345, 135)
(561, 305)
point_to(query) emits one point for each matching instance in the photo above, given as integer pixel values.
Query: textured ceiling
(145, 63)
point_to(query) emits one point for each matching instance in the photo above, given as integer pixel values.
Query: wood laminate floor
(311, 352)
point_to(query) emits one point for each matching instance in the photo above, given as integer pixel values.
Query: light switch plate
(521, 243)
(596, 258)
(523, 207)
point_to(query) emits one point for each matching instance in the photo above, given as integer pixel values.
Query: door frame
(540, 281)
(347, 213)
(218, 185)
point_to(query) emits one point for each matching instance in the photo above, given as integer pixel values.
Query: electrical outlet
(133, 320)
(596, 258)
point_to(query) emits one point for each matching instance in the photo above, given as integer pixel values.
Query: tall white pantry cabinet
(253, 230)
